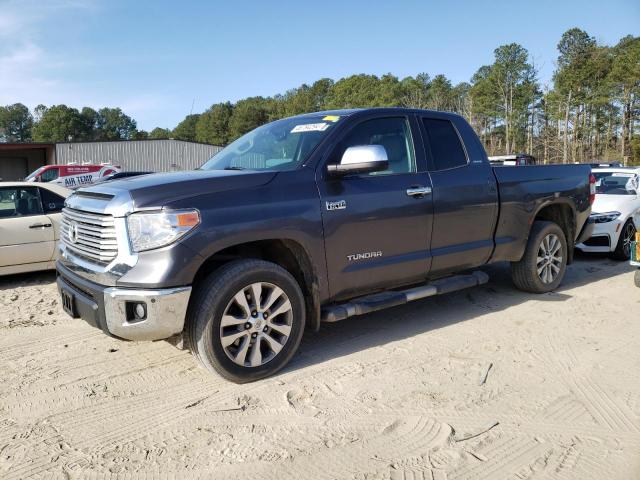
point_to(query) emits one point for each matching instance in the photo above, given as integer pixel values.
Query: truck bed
(525, 190)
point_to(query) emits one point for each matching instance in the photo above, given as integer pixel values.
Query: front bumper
(603, 238)
(110, 308)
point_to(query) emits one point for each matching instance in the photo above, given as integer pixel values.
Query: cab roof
(350, 111)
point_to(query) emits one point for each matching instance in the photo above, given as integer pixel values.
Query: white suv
(615, 212)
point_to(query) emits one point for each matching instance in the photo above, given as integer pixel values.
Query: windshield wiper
(234, 168)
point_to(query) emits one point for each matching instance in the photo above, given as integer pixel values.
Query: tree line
(590, 110)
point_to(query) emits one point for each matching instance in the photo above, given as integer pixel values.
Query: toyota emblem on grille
(73, 232)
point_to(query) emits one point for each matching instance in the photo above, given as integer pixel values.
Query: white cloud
(24, 63)
(22, 16)
(32, 72)
(21, 80)
(9, 24)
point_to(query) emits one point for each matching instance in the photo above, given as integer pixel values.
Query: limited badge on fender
(339, 205)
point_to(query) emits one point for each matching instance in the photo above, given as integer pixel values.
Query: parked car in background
(615, 212)
(312, 218)
(120, 175)
(635, 258)
(72, 175)
(512, 160)
(29, 225)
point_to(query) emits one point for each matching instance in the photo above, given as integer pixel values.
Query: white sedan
(615, 212)
(30, 216)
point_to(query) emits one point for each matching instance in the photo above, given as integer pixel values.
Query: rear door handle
(40, 225)
(418, 191)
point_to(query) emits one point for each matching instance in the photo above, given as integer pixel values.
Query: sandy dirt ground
(547, 387)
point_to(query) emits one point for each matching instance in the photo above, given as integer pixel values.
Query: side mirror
(361, 159)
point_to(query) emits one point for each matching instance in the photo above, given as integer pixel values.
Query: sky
(161, 60)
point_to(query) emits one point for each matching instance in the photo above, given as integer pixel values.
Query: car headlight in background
(604, 217)
(157, 229)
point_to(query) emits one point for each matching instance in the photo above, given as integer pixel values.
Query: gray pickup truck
(313, 218)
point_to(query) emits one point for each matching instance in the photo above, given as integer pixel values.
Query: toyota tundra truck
(312, 219)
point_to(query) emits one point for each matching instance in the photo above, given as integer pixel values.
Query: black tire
(623, 251)
(525, 274)
(210, 301)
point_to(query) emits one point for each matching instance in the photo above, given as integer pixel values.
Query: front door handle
(40, 225)
(418, 191)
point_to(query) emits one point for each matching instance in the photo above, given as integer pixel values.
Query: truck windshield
(280, 145)
(34, 174)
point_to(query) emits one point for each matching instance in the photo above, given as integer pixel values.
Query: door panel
(21, 240)
(465, 197)
(52, 204)
(19, 243)
(55, 219)
(465, 210)
(380, 236)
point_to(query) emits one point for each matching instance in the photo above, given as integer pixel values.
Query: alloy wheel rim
(629, 233)
(256, 324)
(549, 260)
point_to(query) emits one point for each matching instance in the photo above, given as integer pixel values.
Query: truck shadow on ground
(9, 282)
(362, 332)
(376, 329)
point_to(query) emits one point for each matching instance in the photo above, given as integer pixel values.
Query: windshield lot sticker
(331, 118)
(310, 127)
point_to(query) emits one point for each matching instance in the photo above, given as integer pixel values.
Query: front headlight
(604, 217)
(157, 229)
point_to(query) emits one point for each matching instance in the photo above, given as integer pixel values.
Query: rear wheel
(623, 248)
(544, 262)
(246, 320)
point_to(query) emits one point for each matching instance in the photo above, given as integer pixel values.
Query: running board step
(379, 301)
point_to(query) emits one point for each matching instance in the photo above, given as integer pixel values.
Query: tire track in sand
(606, 410)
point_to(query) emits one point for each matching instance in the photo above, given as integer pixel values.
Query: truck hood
(615, 203)
(158, 189)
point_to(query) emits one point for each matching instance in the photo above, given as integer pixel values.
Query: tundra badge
(363, 256)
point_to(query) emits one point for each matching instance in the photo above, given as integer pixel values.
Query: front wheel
(246, 320)
(623, 247)
(544, 262)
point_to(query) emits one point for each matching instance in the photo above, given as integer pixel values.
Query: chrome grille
(89, 235)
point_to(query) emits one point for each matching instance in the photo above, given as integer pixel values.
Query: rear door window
(443, 140)
(51, 202)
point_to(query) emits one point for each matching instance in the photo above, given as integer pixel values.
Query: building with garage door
(17, 160)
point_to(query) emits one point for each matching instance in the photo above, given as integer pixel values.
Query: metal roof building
(17, 160)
